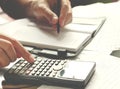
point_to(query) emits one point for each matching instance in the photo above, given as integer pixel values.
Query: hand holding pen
(44, 11)
(58, 10)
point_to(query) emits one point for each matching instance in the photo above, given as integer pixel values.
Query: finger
(22, 52)
(44, 11)
(63, 12)
(8, 49)
(4, 59)
(50, 16)
(69, 15)
(66, 10)
(19, 48)
(68, 19)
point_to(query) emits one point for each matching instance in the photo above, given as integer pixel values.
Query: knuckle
(41, 7)
(14, 41)
(9, 45)
(65, 6)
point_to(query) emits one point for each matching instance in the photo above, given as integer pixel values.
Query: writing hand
(44, 11)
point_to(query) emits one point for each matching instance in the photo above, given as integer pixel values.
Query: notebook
(68, 43)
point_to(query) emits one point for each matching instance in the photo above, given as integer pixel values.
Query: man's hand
(10, 50)
(44, 11)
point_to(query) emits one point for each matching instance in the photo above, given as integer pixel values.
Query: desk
(108, 67)
(106, 75)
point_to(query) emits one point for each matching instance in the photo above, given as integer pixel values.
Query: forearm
(80, 2)
(84, 2)
(15, 8)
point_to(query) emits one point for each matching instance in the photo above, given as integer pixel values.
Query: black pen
(58, 14)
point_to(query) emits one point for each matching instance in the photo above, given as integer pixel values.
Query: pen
(58, 14)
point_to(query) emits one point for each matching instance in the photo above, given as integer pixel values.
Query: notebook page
(34, 36)
(78, 24)
(85, 25)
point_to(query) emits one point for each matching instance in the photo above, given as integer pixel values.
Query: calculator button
(58, 68)
(53, 74)
(27, 72)
(11, 71)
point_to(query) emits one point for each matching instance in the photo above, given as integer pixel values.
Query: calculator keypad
(41, 67)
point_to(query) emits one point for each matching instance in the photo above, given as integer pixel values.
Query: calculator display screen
(76, 70)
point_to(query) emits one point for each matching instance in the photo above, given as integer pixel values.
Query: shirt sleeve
(13, 9)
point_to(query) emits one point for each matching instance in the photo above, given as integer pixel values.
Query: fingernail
(31, 59)
(54, 20)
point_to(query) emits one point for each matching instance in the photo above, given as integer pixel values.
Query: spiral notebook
(68, 43)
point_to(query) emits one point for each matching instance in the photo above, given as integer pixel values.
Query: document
(108, 38)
